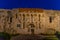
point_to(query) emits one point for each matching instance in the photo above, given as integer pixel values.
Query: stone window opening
(16, 15)
(23, 21)
(18, 25)
(50, 19)
(10, 19)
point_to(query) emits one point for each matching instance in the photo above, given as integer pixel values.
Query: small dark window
(50, 19)
(27, 14)
(31, 15)
(16, 15)
(23, 17)
(10, 19)
(39, 17)
(18, 25)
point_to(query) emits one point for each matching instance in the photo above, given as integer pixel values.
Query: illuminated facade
(29, 21)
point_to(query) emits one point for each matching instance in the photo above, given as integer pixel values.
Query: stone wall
(29, 21)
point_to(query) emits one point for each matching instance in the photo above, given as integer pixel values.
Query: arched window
(32, 25)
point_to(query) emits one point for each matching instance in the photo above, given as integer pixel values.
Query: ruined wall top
(37, 10)
(30, 10)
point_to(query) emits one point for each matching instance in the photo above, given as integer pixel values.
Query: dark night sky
(46, 4)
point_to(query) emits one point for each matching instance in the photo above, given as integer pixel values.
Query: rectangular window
(16, 15)
(39, 17)
(18, 25)
(50, 19)
(23, 20)
(10, 19)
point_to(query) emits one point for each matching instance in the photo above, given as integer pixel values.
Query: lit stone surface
(29, 21)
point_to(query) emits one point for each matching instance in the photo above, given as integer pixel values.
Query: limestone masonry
(29, 20)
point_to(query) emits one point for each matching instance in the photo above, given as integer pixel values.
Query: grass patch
(50, 38)
(7, 36)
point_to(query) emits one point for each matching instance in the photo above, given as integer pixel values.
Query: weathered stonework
(29, 20)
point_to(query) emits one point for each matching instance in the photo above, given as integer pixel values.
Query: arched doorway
(31, 28)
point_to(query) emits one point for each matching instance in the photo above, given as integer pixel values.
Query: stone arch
(31, 28)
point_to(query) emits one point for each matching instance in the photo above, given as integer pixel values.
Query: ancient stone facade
(29, 20)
